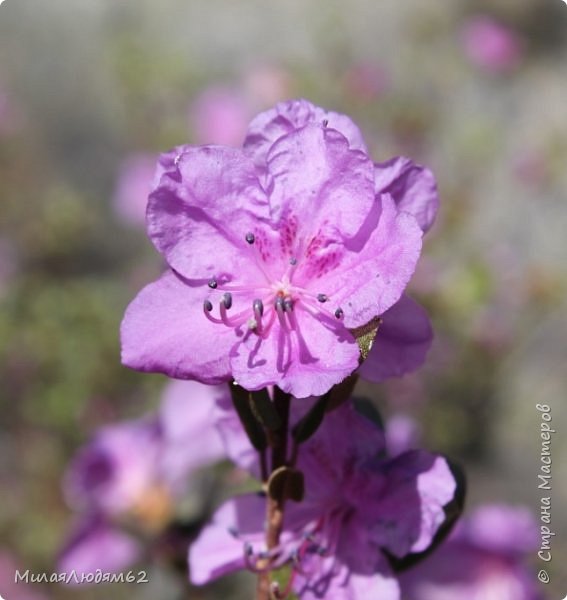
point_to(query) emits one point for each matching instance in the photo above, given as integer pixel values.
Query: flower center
(274, 301)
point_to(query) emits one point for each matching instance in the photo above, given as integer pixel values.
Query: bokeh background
(90, 92)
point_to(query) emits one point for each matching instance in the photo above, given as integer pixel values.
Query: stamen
(288, 305)
(207, 306)
(250, 238)
(227, 300)
(322, 298)
(258, 307)
(325, 122)
(293, 261)
(213, 284)
(339, 313)
(280, 308)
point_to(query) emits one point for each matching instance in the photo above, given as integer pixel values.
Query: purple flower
(483, 558)
(276, 251)
(129, 463)
(134, 471)
(358, 504)
(220, 116)
(133, 187)
(490, 45)
(97, 544)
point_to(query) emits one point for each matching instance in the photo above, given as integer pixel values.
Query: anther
(248, 550)
(293, 261)
(213, 284)
(250, 238)
(258, 307)
(280, 306)
(325, 122)
(207, 305)
(227, 300)
(339, 313)
(288, 304)
(233, 531)
(322, 297)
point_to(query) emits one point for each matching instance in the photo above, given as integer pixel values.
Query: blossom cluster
(287, 262)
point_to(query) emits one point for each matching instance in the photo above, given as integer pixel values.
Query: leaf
(341, 392)
(368, 409)
(286, 483)
(365, 336)
(264, 410)
(311, 421)
(254, 431)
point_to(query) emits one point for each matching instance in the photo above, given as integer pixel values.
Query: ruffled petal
(220, 548)
(331, 579)
(402, 342)
(322, 184)
(410, 511)
(372, 276)
(306, 361)
(187, 416)
(164, 331)
(207, 197)
(95, 544)
(412, 187)
(288, 116)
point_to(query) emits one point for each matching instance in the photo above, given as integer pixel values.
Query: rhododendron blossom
(276, 251)
(358, 505)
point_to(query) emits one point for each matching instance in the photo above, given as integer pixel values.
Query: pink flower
(490, 45)
(358, 505)
(134, 471)
(133, 187)
(220, 116)
(276, 251)
(97, 544)
(127, 462)
(483, 558)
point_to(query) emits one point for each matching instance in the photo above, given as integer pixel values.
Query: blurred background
(91, 92)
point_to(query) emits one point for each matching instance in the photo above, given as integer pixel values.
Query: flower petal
(288, 116)
(192, 439)
(412, 187)
(418, 486)
(401, 344)
(306, 361)
(207, 197)
(164, 331)
(95, 544)
(372, 276)
(220, 548)
(333, 580)
(319, 180)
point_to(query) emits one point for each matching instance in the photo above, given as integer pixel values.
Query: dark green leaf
(254, 431)
(310, 422)
(286, 483)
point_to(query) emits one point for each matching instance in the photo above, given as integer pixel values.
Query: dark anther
(339, 313)
(213, 284)
(207, 305)
(288, 304)
(250, 238)
(322, 297)
(325, 122)
(280, 304)
(293, 261)
(227, 300)
(258, 307)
